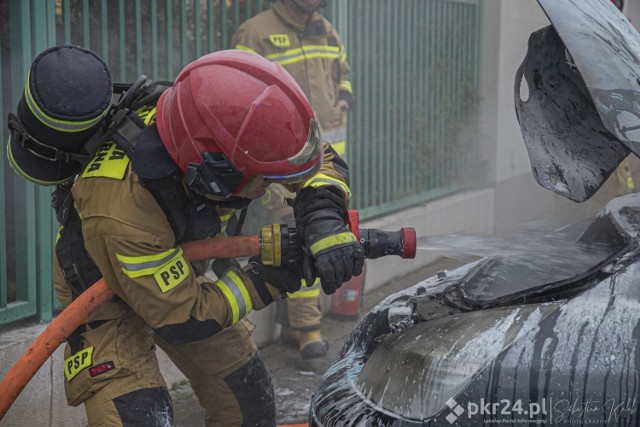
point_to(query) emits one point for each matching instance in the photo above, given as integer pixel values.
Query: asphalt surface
(295, 379)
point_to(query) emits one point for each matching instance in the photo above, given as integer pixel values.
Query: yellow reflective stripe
(305, 293)
(291, 56)
(235, 291)
(267, 197)
(340, 147)
(346, 86)
(332, 241)
(224, 220)
(146, 113)
(57, 124)
(109, 162)
(246, 48)
(321, 180)
(316, 283)
(136, 266)
(630, 183)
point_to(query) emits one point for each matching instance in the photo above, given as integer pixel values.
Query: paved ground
(295, 380)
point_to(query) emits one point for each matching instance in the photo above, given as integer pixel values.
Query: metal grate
(412, 136)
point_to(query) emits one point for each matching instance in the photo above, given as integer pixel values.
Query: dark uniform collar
(152, 163)
(315, 26)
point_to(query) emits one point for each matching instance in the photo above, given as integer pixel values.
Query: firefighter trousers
(121, 384)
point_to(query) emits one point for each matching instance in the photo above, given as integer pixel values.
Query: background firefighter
(294, 34)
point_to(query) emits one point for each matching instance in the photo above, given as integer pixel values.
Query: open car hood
(582, 114)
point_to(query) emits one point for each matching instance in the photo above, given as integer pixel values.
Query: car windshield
(532, 260)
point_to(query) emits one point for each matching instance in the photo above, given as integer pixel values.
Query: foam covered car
(501, 339)
(520, 340)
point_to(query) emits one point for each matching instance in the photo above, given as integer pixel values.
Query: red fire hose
(78, 311)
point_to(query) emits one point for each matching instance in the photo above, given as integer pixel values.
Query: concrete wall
(519, 200)
(510, 198)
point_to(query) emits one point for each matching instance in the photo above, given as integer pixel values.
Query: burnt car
(503, 340)
(518, 339)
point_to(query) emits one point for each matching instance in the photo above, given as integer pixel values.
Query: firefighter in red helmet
(231, 124)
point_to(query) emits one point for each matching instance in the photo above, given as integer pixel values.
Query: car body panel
(564, 351)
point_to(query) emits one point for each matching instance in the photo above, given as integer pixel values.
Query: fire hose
(276, 246)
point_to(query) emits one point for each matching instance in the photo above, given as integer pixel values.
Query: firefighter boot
(289, 337)
(312, 344)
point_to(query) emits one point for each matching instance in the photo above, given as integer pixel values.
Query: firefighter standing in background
(294, 34)
(231, 124)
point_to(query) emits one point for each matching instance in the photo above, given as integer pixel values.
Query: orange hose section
(78, 311)
(222, 247)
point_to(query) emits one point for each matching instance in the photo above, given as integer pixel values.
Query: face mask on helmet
(233, 115)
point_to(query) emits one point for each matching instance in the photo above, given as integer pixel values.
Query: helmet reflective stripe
(294, 178)
(57, 124)
(236, 293)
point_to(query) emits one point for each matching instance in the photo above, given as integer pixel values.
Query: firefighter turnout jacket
(313, 54)
(131, 240)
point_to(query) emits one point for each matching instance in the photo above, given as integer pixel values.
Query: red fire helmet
(233, 115)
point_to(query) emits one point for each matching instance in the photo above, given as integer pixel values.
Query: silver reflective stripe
(148, 264)
(336, 135)
(237, 294)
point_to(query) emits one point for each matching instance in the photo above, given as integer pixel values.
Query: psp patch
(109, 162)
(76, 363)
(168, 268)
(172, 274)
(280, 40)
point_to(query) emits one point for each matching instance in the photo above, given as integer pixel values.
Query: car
(545, 335)
(519, 339)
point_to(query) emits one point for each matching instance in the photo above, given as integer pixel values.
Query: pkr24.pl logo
(504, 407)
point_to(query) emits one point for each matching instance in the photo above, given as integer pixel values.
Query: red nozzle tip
(409, 242)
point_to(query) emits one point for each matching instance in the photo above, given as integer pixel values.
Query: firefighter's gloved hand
(337, 255)
(220, 265)
(286, 279)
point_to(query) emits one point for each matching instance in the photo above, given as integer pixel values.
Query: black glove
(337, 254)
(220, 265)
(286, 279)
